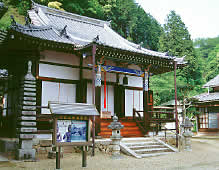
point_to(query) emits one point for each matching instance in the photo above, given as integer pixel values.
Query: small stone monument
(116, 137)
(27, 118)
(187, 133)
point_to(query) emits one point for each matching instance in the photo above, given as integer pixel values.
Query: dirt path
(205, 156)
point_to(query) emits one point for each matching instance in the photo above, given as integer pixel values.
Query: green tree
(176, 41)
(146, 30)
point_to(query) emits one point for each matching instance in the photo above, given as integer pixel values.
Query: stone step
(138, 139)
(145, 146)
(140, 143)
(151, 150)
(154, 154)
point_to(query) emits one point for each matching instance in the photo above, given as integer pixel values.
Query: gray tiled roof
(42, 32)
(207, 97)
(84, 29)
(213, 82)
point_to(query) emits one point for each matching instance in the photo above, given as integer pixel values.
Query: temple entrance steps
(145, 147)
(130, 128)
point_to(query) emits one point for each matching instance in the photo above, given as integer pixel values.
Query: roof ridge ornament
(140, 45)
(13, 22)
(96, 39)
(63, 32)
(27, 21)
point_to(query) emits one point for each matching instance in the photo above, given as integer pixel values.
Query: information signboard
(71, 131)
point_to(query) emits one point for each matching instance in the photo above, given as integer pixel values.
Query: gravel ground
(204, 156)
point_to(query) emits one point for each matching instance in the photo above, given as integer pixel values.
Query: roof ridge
(70, 15)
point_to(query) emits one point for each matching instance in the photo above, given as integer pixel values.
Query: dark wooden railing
(153, 118)
(140, 121)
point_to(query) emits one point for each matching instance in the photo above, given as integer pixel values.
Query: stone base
(25, 154)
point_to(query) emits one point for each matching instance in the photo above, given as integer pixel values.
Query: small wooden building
(208, 106)
(69, 53)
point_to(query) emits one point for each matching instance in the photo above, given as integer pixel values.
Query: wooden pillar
(176, 114)
(81, 87)
(98, 106)
(93, 96)
(145, 102)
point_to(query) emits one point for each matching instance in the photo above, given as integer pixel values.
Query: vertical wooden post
(84, 156)
(176, 114)
(145, 102)
(58, 157)
(93, 96)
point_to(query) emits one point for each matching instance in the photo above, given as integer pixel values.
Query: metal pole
(93, 96)
(176, 114)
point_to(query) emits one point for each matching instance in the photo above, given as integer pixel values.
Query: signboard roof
(82, 109)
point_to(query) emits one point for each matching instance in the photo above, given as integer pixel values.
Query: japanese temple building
(208, 106)
(77, 59)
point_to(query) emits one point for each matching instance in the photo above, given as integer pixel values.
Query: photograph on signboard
(71, 131)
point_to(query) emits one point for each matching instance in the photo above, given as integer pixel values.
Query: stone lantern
(116, 137)
(187, 133)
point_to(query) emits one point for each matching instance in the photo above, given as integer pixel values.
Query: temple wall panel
(60, 58)
(47, 70)
(133, 81)
(87, 74)
(109, 99)
(87, 60)
(133, 99)
(110, 77)
(54, 91)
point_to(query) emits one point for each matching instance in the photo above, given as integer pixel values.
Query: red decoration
(104, 89)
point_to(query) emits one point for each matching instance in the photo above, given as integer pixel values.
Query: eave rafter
(158, 65)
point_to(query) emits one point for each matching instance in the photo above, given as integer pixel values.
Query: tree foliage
(208, 51)
(127, 18)
(176, 41)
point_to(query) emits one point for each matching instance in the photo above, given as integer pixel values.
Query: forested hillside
(138, 26)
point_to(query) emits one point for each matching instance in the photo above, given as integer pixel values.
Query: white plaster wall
(129, 103)
(133, 99)
(109, 99)
(89, 93)
(133, 81)
(53, 91)
(47, 70)
(59, 57)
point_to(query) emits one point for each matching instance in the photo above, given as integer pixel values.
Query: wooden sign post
(72, 127)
